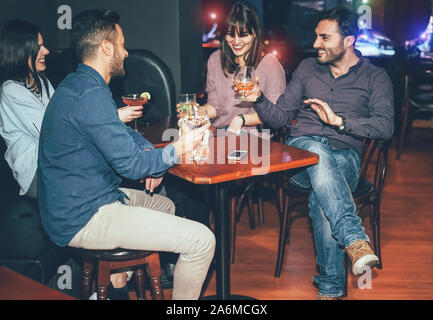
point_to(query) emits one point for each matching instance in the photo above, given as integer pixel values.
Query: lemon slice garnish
(145, 95)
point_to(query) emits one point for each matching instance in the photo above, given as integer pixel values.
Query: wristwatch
(342, 126)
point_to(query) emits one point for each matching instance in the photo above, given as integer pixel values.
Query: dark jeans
(333, 212)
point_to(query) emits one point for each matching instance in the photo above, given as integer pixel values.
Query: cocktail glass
(134, 99)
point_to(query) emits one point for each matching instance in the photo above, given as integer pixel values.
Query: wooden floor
(407, 240)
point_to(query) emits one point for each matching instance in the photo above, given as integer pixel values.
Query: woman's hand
(207, 110)
(129, 113)
(235, 125)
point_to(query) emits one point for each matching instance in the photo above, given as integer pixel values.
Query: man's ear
(107, 48)
(349, 41)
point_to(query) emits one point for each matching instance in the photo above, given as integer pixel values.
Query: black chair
(60, 62)
(253, 191)
(243, 192)
(146, 72)
(418, 96)
(368, 193)
(24, 245)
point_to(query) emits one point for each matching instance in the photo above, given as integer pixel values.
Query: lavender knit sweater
(221, 96)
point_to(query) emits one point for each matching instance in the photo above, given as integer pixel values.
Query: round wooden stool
(107, 260)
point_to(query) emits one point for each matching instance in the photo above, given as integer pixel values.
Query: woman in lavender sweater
(241, 46)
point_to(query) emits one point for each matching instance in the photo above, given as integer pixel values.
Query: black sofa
(24, 245)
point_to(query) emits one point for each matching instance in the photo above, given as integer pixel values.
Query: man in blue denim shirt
(337, 99)
(85, 149)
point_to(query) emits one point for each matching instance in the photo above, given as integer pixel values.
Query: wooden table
(14, 286)
(218, 171)
(155, 132)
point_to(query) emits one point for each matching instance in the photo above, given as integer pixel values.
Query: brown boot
(361, 256)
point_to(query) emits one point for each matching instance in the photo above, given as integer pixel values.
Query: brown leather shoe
(361, 256)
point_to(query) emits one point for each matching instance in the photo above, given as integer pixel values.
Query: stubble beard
(117, 69)
(331, 57)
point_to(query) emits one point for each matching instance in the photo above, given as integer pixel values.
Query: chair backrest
(60, 62)
(419, 83)
(146, 72)
(375, 150)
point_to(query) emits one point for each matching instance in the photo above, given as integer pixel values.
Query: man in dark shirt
(337, 99)
(85, 148)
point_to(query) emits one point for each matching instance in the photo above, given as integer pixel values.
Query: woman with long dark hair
(24, 94)
(241, 46)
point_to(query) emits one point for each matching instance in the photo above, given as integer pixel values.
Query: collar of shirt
(326, 68)
(94, 74)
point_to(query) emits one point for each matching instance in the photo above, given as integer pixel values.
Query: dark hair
(90, 28)
(18, 43)
(242, 16)
(346, 19)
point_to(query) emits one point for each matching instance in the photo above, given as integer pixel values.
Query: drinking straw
(193, 111)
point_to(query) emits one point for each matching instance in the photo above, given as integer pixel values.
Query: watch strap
(260, 98)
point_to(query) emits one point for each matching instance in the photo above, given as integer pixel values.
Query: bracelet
(243, 118)
(260, 98)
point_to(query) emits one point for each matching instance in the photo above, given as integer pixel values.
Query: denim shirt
(364, 96)
(84, 150)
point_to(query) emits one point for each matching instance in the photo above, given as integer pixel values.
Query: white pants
(148, 223)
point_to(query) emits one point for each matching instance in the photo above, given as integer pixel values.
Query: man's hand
(324, 112)
(190, 140)
(152, 183)
(253, 94)
(235, 125)
(129, 113)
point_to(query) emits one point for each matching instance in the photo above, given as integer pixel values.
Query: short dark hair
(346, 19)
(18, 43)
(244, 16)
(90, 28)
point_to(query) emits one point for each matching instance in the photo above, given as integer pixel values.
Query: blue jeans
(333, 212)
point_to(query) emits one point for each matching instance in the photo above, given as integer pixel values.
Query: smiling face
(40, 58)
(240, 42)
(329, 42)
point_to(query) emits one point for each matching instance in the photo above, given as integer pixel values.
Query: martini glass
(134, 99)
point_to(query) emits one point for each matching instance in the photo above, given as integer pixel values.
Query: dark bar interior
(262, 251)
